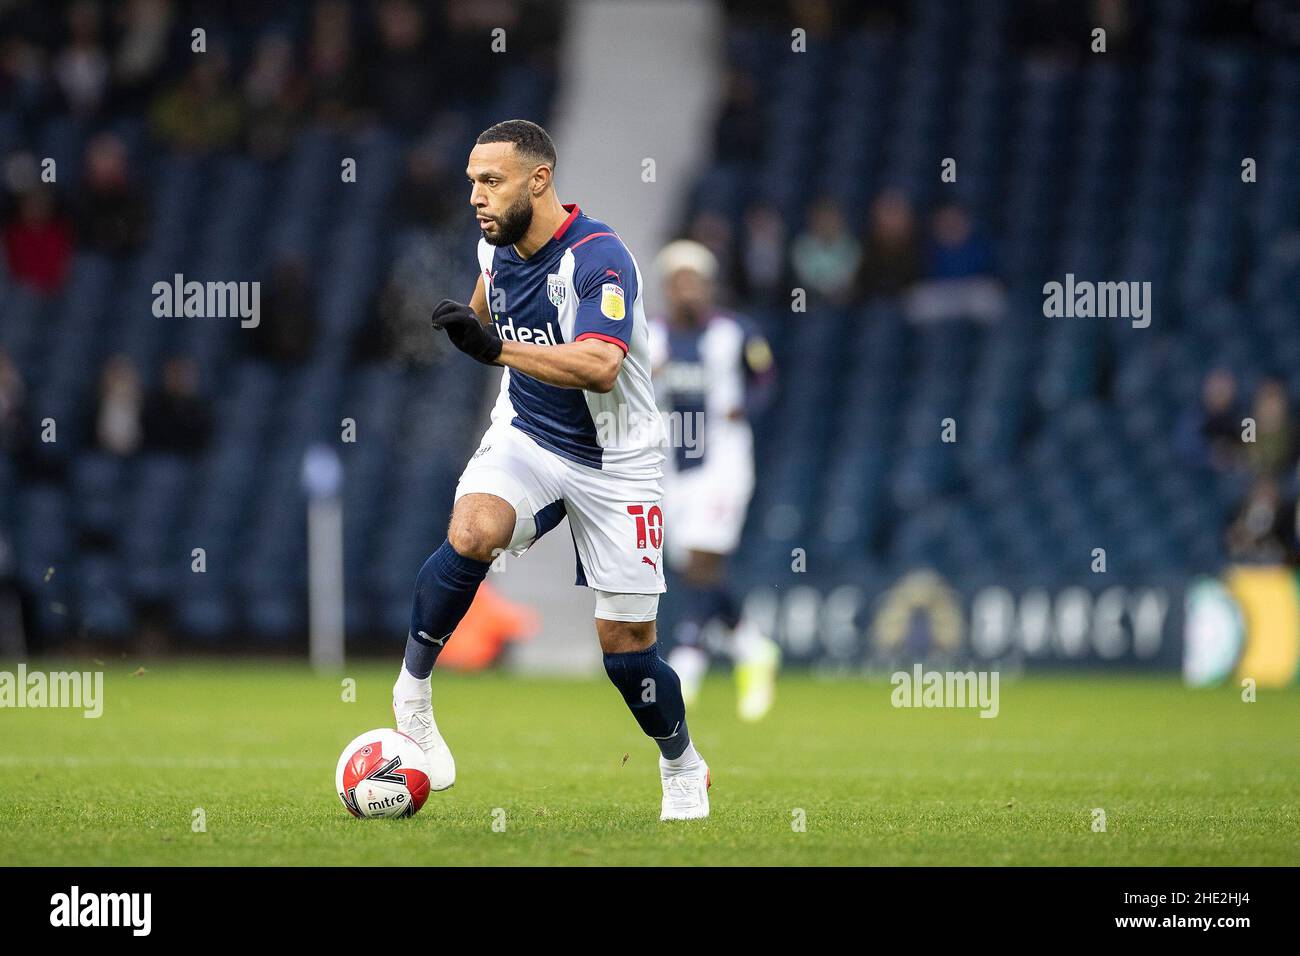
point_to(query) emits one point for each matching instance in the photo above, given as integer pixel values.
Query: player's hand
(467, 333)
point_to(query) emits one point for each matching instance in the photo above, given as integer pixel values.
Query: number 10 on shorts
(649, 525)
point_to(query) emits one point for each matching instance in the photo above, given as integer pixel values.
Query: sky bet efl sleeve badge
(611, 301)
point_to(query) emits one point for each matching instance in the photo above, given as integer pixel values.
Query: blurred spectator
(738, 137)
(81, 67)
(467, 67)
(826, 256)
(1051, 30)
(1264, 527)
(13, 410)
(892, 261)
(818, 17)
(425, 198)
(200, 114)
(118, 424)
(333, 75)
(1274, 449)
(765, 274)
(24, 82)
(113, 215)
(1127, 29)
(141, 52)
(957, 250)
(1210, 434)
(38, 243)
(275, 95)
(402, 69)
(287, 331)
(176, 417)
(959, 272)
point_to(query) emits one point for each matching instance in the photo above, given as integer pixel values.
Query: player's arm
(604, 281)
(591, 361)
(479, 303)
(591, 364)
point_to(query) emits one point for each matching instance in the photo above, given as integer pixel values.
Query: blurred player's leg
(702, 598)
(481, 525)
(758, 658)
(706, 599)
(688, 657)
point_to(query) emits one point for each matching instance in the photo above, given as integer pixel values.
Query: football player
(575, 431)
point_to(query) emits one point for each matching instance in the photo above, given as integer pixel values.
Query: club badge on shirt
(612, 305)
(556, 289)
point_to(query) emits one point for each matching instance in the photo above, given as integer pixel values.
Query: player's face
(500, 194)
(689, 294)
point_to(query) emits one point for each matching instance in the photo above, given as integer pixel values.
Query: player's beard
(513, 223)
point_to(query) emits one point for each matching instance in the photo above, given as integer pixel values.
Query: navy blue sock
(653, 693)
(444, 590)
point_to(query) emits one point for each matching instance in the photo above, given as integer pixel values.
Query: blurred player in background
(710, 370)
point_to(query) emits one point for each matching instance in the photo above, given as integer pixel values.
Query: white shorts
(707, 505)
(617, 522)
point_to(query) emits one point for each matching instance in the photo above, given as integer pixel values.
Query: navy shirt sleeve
(604, 278)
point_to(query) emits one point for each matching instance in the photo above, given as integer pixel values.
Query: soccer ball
(382, 773)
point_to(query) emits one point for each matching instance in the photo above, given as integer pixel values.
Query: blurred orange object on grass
(491, 622)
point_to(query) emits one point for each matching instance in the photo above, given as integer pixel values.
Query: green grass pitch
(1184, 777)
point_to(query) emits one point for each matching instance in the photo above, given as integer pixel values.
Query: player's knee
(624, 637)
(473, 537)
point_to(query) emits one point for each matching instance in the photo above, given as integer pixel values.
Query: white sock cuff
(687, 758)
(408, 685)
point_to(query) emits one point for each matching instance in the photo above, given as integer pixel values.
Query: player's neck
(686, 320)
(546, 220)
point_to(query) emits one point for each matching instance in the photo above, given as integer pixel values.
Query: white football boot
(686, 791)
(413, 712)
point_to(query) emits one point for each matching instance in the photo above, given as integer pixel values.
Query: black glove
(467, 333)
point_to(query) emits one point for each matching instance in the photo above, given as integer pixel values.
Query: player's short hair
(531, 141)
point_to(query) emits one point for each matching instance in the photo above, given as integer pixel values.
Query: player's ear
(541, 179)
